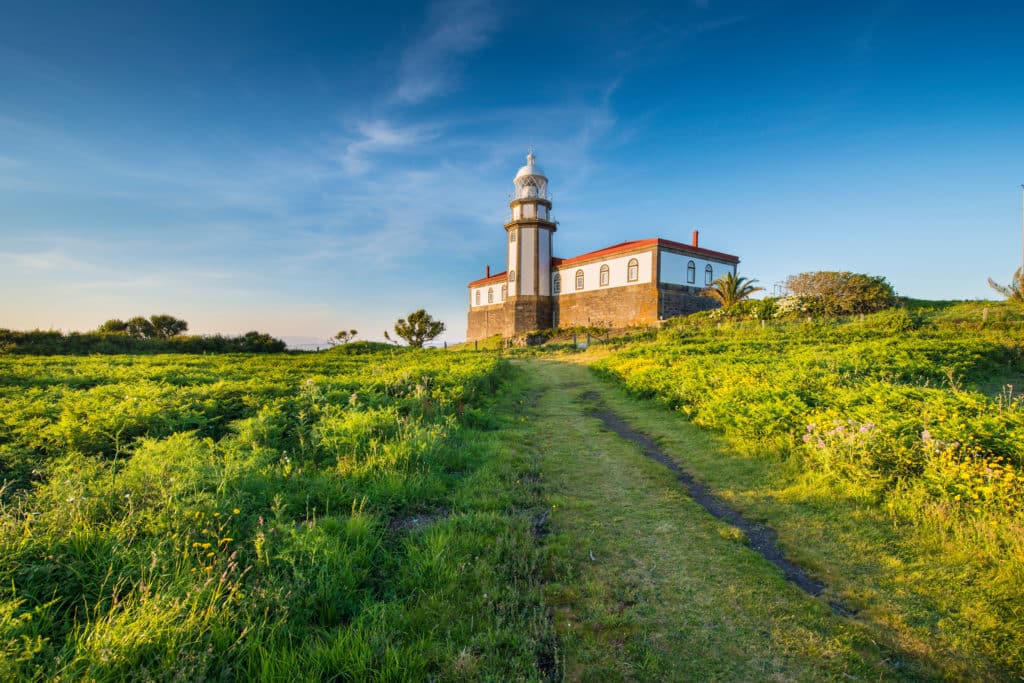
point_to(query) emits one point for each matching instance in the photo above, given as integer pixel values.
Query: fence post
(476, 345)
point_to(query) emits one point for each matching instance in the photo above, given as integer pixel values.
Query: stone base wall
(526, 314)
(643, 304)
(486, 321)
(612, 307)
(675, 300)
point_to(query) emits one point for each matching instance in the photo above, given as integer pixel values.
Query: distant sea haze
(298, 343)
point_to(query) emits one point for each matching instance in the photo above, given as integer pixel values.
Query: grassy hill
(543, 513)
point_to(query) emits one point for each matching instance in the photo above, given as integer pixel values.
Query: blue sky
(300, 170)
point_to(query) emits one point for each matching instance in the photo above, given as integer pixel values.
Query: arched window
(504, 292)
(478, 297)
(691, 272)
(633, 270)
(556, 284)
(511, 276)
(490, 295)
(603, 278)
(511, 235)
(707, 274)
(579, 279)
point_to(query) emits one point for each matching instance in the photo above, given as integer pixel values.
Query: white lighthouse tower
(529, 251)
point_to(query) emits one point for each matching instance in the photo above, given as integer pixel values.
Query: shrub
(841, 293)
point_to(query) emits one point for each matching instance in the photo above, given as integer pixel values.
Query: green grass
(874, 454)
(356, 519)
(380, 514)
(671, 593)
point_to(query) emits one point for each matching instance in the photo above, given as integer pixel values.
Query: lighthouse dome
(531, 168)
(530, 181)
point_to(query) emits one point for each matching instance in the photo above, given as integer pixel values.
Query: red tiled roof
(487, 280)
(638, 244)
(614, 249)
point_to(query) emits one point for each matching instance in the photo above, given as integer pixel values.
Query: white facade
(675, 269)
(530, 211)
(513, 251)
(481, 292)
(527, 267)
(544, 260)
(618, 273)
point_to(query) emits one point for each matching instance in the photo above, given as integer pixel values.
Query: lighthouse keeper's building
(631, 283)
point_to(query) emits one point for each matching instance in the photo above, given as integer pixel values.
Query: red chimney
(489, 268)
(695, 234)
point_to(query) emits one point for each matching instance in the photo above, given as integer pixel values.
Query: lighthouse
(528, 235)
(636, 282)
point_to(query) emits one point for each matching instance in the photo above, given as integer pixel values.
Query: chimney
(695, 235)
(489, 265)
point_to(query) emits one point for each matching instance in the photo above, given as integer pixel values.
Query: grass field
(399, 515)
(275, 518)
(888, 456)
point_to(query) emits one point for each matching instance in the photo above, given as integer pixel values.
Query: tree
(113, 326)
(1015, 290)
(343, 337)
(729, 290)
(259, 342)
(418, 328)
(140, 327)
(167, 326)
(841, 293)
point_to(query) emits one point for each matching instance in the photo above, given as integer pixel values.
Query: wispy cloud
(455, 28)
(381, 136)
(48, 260)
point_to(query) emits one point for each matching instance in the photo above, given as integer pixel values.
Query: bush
(53, 343)
(840, 293)
(893, 320)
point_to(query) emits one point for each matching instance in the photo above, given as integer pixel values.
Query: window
(511, 276)
(504, 292)
(579, 279)
(691, 272)
(556, 285)
(707, 274)
(603, 278)
(478, 297)
(490, 295)
(633, 270)
(511, 235)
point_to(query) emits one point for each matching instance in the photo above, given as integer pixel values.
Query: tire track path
(762, 539)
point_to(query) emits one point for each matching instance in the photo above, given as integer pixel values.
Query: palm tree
(729, 290)
(1013, 291)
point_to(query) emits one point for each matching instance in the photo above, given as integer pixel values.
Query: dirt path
(657, 588)
(761, 539)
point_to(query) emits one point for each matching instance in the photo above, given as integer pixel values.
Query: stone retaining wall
(485, 321)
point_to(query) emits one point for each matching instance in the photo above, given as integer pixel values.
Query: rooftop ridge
(635, 244)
